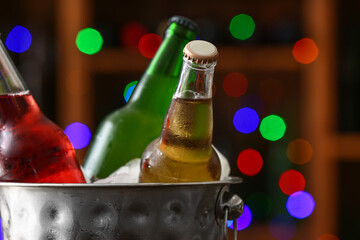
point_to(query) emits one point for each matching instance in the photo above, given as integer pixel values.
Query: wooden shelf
(348, 147)
(263, 58)
(257, 58)
(117, 60)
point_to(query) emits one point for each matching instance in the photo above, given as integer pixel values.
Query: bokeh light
(305, 51)
(291, 181)
(79, 134)
(235, 84)
(249, 162)
(149, 44)
(300, 204)
(272, 127)
(260, 203)
(131, 33)
(19, 39)
(282, 227)
(242, 26)
(246, 120)
(129, 89)
(243, 221)
(299, 151)
(327, 236)
(271, 90)
(89, 41)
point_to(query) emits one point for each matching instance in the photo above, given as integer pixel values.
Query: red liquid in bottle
(32, 148)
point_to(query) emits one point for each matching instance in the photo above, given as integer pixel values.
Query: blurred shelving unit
(255, 58)
(318, 99)
(73, 16)
(320, 116)
(73, 66)
(77, 69)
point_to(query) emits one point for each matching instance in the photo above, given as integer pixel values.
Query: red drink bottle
(32, 148)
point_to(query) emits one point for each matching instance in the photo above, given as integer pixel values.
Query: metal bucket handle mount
(229, 207)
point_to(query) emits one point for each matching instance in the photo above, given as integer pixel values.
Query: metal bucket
(184, 211)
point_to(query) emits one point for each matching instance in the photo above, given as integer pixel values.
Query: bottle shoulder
(41, 135)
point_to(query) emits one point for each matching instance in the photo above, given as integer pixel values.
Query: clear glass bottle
(32, 148)
(184, 152)
(124, 133)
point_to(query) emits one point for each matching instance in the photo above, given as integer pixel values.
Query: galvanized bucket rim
(228, 180)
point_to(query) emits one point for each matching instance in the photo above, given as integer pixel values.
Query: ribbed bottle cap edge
(200, 51)
(184, 21)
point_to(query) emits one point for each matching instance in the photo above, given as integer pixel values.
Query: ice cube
(225, 166)
(129, 173)
(87, 178)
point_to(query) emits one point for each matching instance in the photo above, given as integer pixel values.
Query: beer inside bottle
(124, 134)
(183, 152)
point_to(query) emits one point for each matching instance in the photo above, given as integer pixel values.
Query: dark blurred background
(318, 101)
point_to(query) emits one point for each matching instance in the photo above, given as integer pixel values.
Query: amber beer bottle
(183, 152)
(124, 134)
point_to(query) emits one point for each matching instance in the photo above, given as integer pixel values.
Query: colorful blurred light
(305, 51)
(260, 203)
(272, 127)
(328, 236)
(129, 89)
(299, 151)
(243, 221)
(235, 84)
(300, 204)
(19, 39)
(249, 162)
(149, 44)
(89, 41)
(79, 134)
(246, 120)
(282, 227)
(291, 181)
(131, 33)
(242, 26)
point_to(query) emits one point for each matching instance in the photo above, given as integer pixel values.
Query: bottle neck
(167, 60)
(10, 79)
(189, 120)
(163, 72)
(196, 80)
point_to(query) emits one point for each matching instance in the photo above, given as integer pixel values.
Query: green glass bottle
(124, 134)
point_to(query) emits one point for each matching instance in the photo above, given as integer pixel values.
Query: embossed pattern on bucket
(106, 212)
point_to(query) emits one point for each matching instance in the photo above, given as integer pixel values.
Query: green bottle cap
(185, 22)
